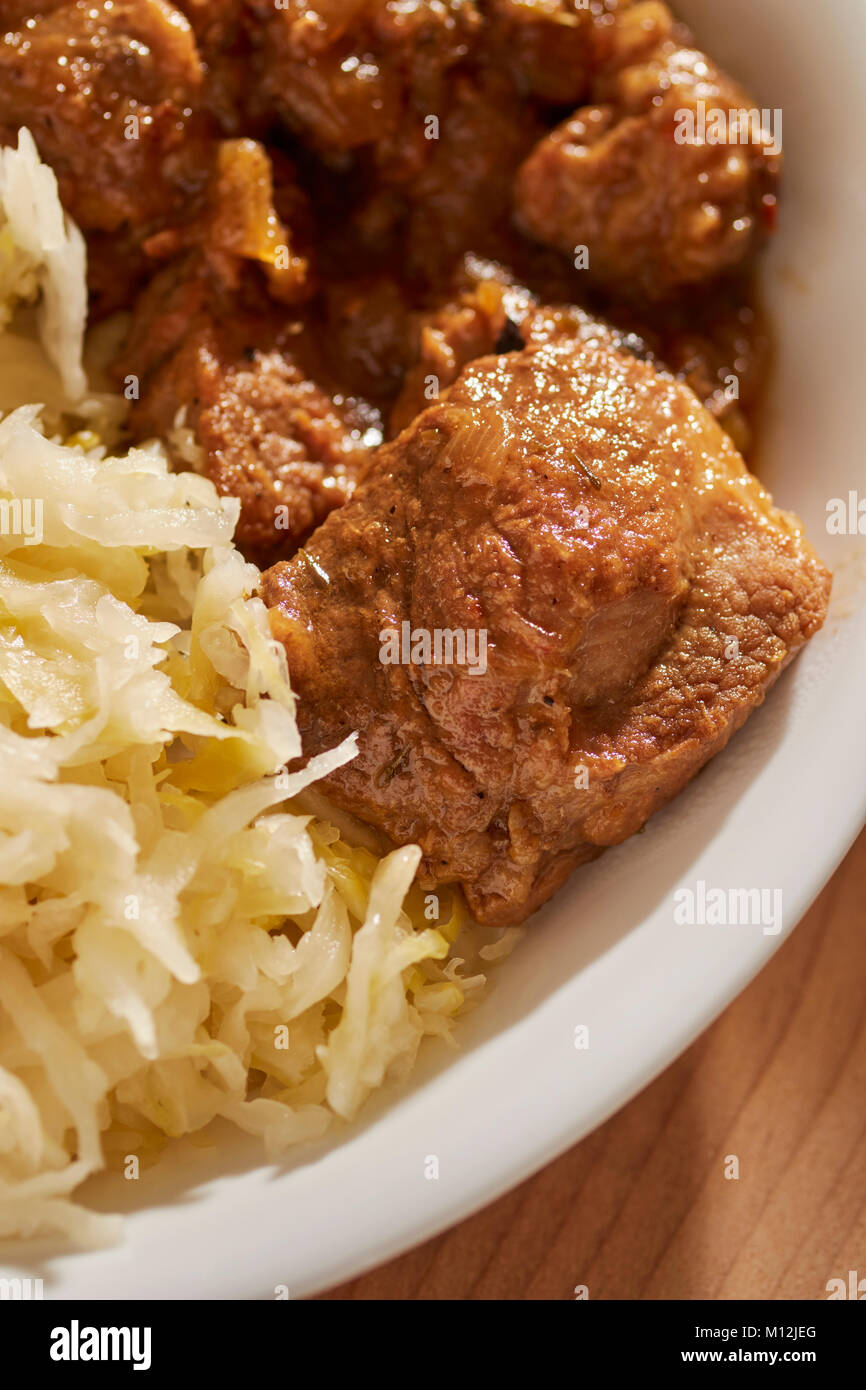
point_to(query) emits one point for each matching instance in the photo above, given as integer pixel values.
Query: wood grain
(641, 1209)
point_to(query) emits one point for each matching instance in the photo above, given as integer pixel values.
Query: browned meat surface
(461, 199)
(481, 316)
(212, 344)
(235, 227)
(718, 345)
(639, 594)
(487, 311)
(245, 376)
(358, 72)
(551, 48)
(366, 334)
(416, 220)
(16, 12)
(109, 90)
(235, 219)
(225, 44)
(655, 214)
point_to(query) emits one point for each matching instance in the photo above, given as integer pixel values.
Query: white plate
(778, 810)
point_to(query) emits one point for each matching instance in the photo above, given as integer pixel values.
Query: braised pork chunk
(627, 589)
(633, 177)
(109, 90)
(245, 376)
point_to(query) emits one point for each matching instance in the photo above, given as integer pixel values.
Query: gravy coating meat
(247, 379)
(109, 90)
(551, 48)
(266, 432)
(225, 47)
(484, 314)
(638, 591)
(218, 343)
(718, 347)
(654, 211)
(347, 73)
(461, 198)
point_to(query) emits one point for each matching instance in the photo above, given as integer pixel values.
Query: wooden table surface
(641, 1209)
